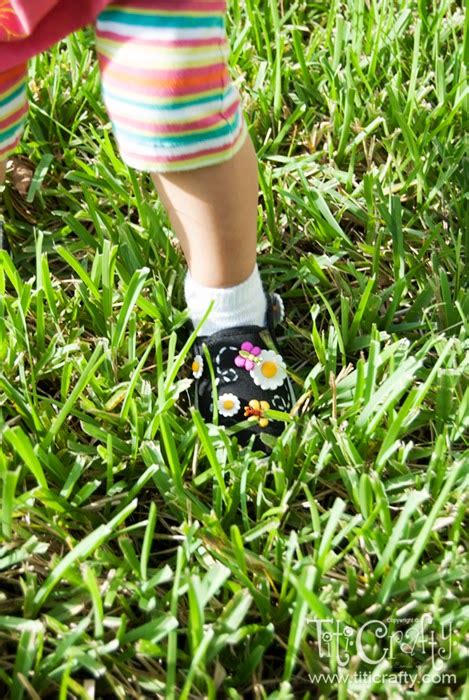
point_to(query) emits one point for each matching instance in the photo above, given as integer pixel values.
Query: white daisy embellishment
(228, 405)
(270, 370)
(197, 366)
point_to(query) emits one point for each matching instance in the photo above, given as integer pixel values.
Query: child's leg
(214, 214)
(176, 114)
(13, 109)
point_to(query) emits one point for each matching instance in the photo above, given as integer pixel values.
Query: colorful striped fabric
(166, 85)
(13, 108)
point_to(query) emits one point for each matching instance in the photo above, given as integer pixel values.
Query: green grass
(145, 554)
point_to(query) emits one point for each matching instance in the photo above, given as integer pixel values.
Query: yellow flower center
(269, 369)
(195, 366)
(228, 404)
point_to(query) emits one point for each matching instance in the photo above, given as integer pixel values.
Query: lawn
(144, 553)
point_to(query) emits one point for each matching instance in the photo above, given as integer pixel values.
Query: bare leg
(213, 212)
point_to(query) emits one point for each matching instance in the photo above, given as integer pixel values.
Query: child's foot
(250, 376)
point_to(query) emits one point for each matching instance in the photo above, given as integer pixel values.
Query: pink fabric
(28, 27)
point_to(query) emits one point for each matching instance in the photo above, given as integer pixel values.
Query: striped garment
(13, 108)
(165, 83)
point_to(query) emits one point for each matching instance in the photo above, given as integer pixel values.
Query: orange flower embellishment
(255, 412)
(9, 24)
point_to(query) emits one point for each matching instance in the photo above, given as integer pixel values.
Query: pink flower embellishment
(247, 356)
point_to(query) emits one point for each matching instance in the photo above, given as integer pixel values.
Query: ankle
(222, 277)
(241, 304)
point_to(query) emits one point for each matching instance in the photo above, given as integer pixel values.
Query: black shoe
(250, 377)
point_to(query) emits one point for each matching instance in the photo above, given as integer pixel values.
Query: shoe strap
(278, 308)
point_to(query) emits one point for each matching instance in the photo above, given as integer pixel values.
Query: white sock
(241, 305)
